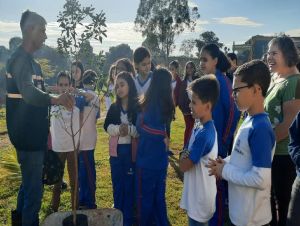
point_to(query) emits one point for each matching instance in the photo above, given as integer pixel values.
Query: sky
(231, 20)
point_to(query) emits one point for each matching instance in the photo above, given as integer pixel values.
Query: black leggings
(283, 176)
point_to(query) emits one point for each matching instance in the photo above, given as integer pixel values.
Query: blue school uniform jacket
(151, 153)
(294, 145)
(225, 115)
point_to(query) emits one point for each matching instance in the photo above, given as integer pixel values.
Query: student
(142, 64)
(293, 217)
(77, 71)
(111, 84)
(233, 65)
(152, 157)
(248, 169)
(176, 80)
(225, 116)
(61, 135)
(125, 64)
(88, 139)
(184, 100)
(120, 125)
(199, 189)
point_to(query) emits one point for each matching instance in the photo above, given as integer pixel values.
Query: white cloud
(202, 22)
(123, 32)
(117, 33)
(293, 32)
(238, 21)
(9, 27)
(199, 28)
(268, 34)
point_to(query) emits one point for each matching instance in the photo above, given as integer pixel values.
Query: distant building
(255, 47)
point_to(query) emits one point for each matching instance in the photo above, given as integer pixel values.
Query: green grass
(9, 185)
(2, 121)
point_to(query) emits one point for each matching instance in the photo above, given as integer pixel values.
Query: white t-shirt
(248, 172)
(61, 128)
(199, 189)
(142, 87)
(88, 137)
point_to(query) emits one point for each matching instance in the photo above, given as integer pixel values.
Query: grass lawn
(9, 185)
(2, 121)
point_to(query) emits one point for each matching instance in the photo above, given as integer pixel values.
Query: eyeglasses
(237, 89)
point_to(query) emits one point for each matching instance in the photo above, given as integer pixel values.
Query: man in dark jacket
(27, 116)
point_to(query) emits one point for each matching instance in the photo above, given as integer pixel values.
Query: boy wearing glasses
(248, 169)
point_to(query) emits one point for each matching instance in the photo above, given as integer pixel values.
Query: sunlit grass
(2, 121)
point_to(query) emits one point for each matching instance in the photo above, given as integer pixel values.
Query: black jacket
(26, 116)
(183, 99)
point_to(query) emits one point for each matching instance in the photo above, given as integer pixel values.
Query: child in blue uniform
(225, 116)
(120, 125)
(152, 157)
(142, 64)
(199, 189)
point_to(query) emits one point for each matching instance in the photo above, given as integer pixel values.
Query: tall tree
(74, 17)
(57, 61)
(165, 19)
(115, 53)
(47, 69)
(151, 42)
(206, 38)
(187, 47)
(87, 57)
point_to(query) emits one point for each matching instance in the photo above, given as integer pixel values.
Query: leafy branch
(79, 25)
(72, 21)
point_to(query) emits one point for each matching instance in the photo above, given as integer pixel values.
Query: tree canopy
(206, 38)
(115, 53)
(75, 17)
(165, 19)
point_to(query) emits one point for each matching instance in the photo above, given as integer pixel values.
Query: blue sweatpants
(150, 197)
(123, 175)
(87, 179)
(31, 189)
